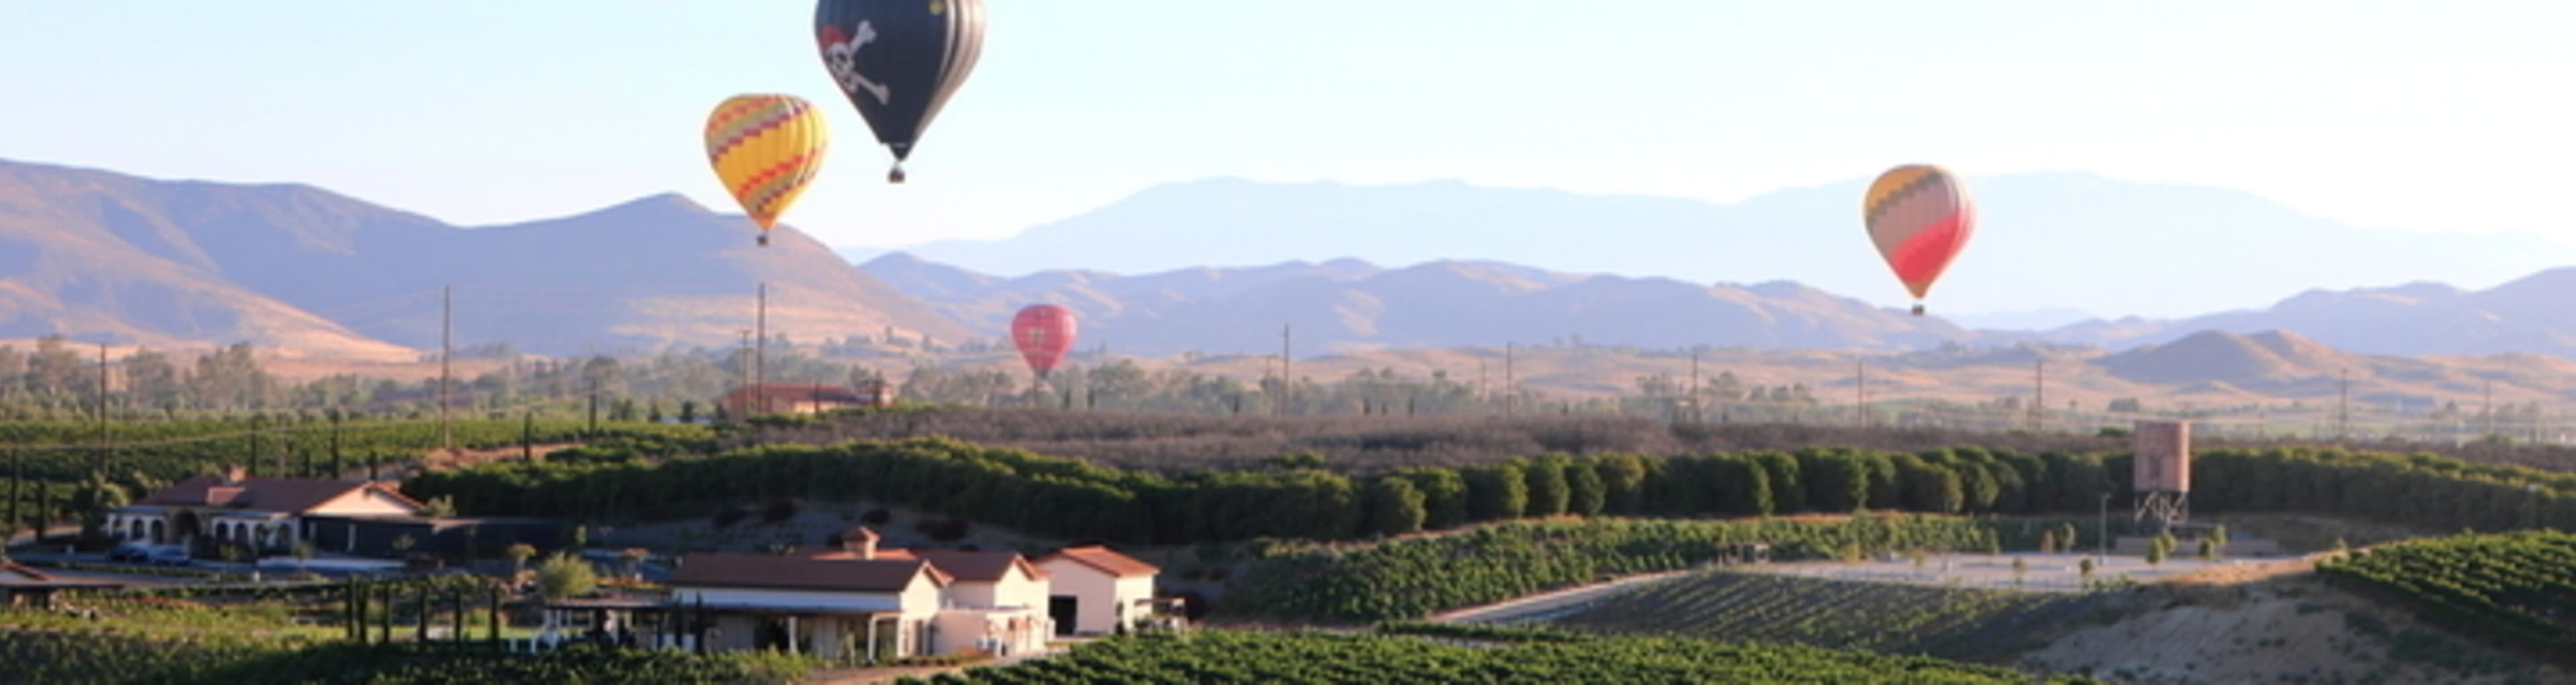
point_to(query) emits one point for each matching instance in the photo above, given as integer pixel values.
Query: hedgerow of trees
(58, 471)
(1172, 442)
(1074, 499)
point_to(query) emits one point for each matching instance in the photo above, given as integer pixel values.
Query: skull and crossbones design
(841, 56)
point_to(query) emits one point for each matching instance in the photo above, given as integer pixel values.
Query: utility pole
(2489, 407)
(285, 446)
(338, 469)
(1860, 410)
(1694, 386)
(1484, 392)
(446, 319)
(742, 369)
(2102, 539)
(106, 440)
(760, 349)
(2038, 395)
(1287, 377)
(2343, 403)
(1511, 385)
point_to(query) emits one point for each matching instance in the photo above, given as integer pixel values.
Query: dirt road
(1547, 605)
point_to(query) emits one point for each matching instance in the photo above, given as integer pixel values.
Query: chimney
(860, 541)
(235, 473)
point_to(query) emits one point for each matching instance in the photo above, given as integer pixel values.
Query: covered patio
(847, 636)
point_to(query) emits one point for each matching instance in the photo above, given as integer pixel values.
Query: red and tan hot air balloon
(1044, 333)
(1919, 216)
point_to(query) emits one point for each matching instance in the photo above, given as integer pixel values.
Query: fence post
(495, 618)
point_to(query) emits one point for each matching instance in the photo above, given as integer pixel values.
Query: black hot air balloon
(899, 61)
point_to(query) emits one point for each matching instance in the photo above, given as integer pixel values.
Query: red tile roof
(284, 495)
(846, 555)
(819, 392)
(963, 565)
(802, 572)
(1098, 557)
(978, 566)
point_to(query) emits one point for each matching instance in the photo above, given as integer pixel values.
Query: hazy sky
(2399, 113)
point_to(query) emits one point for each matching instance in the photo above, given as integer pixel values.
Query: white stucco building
(1094, 590)
(264, 514)
(859, 602)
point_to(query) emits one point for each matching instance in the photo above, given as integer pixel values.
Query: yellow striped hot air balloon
(766, 147)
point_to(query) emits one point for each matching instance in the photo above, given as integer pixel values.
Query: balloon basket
(764, 240)
(1918, 310)
(895, 175)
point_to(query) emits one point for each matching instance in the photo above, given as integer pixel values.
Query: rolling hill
(1351, 305)
(91, 253)
(2044, 241)
(2526, 315)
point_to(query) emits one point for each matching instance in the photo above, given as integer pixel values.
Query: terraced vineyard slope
(1953, 623)
(2517, 588)
(1220, 656)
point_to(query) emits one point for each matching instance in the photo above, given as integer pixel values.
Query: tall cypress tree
(17, 490)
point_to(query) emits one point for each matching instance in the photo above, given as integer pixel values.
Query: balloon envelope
(766, 147)
(899, 61)
(1044, 333)
(1919, 216)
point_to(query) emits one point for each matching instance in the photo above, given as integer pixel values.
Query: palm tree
(95, 499)
(519, 553)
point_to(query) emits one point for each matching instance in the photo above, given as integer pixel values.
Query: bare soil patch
(2288, 627)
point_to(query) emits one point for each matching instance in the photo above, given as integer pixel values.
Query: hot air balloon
(766, 147)
(1919, 216)
(899, 61)
(1044, 333)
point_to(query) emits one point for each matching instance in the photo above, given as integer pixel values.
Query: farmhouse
(268, 514)
(861, 602)
(1096, 591)
(803, 398)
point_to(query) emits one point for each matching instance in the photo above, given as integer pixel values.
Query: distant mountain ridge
(2527, 315)
(1348, 304)
(94, 253)
(104, 256)
(2044, 240)
(1359, 305)
(1455, 316)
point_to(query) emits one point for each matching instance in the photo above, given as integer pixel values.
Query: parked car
(131, 551)
(170, 555)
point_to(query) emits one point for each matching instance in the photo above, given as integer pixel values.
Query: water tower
(2160, 475)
